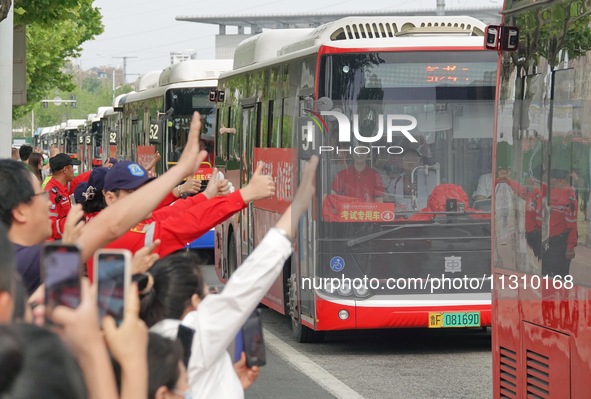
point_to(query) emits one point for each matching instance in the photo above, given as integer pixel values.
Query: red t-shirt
(365, 185)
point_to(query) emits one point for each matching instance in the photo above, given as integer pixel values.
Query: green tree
(92, 94)
(55, 32)
(4, 8)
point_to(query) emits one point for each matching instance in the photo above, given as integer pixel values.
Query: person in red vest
(60, 187)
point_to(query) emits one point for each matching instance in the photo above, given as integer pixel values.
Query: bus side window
(290, 116)
(277, 126)
(221, 152)
(268, 134)
(259, 130)
(234, 139)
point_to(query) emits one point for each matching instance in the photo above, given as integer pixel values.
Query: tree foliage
(55, 32)
(90, 94)
(4, 8)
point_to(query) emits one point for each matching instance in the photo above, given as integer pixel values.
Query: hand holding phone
(62, 268)
(112, 274)
(254, 343)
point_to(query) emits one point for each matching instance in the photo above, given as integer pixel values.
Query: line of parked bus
(153, 119)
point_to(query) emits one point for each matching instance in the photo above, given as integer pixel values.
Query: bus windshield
(185, 101)
(419, 139)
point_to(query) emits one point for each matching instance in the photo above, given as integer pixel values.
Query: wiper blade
(369, 237)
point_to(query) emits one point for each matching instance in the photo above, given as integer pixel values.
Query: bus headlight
(344, 289)
(361, 291)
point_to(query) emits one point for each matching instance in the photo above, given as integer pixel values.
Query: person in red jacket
(60, 187)
(184, 221)
(560, 248)
(532, 193)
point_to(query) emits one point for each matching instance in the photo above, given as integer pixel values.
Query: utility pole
(6, 59)
(440, 7)
(125, 67)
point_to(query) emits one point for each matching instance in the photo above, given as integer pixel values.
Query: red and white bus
(542, 286)
(419, 94)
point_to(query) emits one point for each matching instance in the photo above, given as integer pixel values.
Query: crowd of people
(67, 352)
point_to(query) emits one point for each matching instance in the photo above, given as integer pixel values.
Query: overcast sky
(148, 31)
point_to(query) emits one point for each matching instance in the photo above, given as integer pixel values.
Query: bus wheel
(232, 261)
(300, 332)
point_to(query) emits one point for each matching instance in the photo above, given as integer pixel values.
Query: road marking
(308, 367)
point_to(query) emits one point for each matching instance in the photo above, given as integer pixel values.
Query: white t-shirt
(484, 187)
(220, 317)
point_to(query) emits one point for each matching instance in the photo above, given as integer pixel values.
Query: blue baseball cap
(126, 175)
(96, 182)
(80, 191)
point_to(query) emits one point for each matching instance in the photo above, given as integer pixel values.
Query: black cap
(60, 161)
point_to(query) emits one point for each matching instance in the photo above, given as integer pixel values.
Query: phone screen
(111, 285)
(62, 276)
(254, 343)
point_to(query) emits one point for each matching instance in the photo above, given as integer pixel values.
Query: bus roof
(72, 124)
(186, 74)
(147, 81)
(360, 32)
(192, 70)
(45, 130)
(117, 100)
(101, 111)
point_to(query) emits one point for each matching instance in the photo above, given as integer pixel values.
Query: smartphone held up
(112, 274)
(62, 269)
(254, 343)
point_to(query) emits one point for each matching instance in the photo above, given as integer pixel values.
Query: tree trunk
(4, 8)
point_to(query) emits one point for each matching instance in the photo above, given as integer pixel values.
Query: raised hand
(260, 186)
(307, 187)
(301, 202)
(192, 157)
(80, 325)
(130, 340)
(216, 187)
(246, 375)
(191, 186)
(144, 258)
(81, 331)
(129, 346)
(74, 225)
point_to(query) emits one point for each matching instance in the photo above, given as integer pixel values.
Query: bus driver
(401, 187)
(359, 181)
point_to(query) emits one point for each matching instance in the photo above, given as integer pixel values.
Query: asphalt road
(417, 363)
